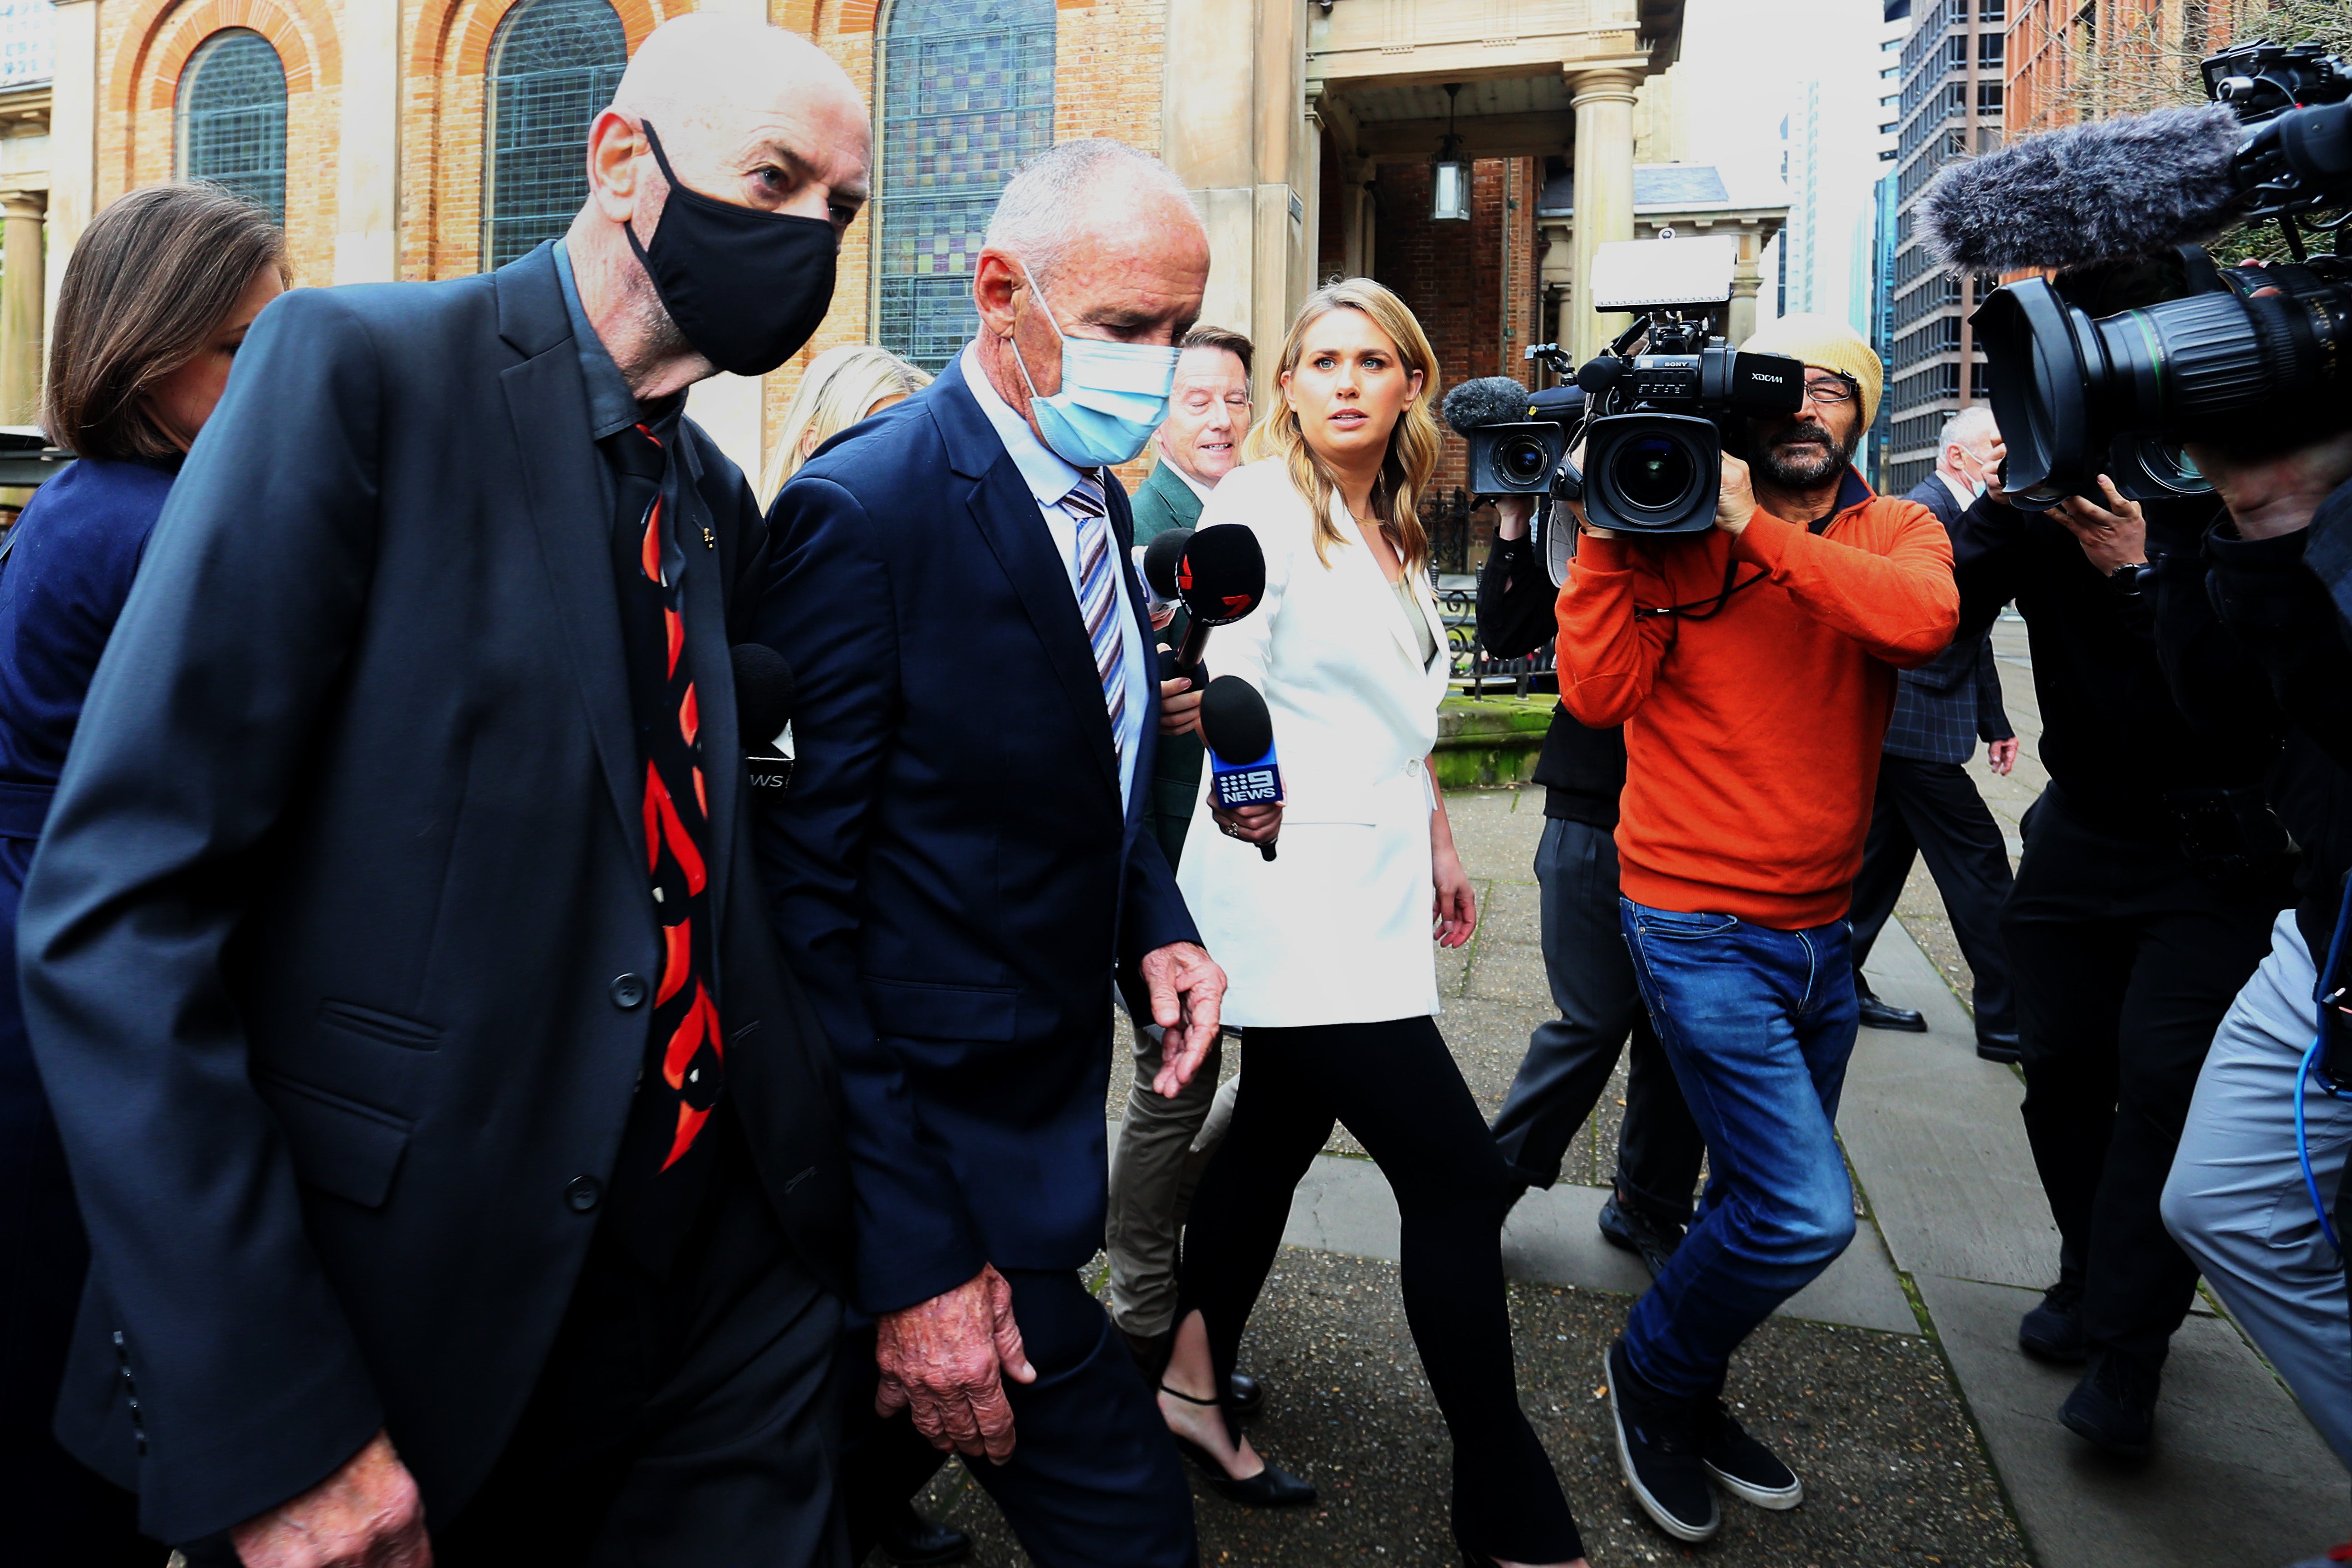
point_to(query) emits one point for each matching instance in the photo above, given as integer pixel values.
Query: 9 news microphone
(1240, 732)
(765, 695)
(1218, 571)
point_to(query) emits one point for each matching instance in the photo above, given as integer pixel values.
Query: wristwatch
(2128, 577)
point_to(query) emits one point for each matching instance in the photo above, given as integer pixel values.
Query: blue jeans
(1757, 1024)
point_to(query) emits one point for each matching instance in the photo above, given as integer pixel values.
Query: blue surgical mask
(1113, 396)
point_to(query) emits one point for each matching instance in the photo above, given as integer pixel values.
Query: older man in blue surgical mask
(961, 862)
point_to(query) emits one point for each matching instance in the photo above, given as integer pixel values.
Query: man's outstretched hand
(946, 1360)
(369, 1514)
(1187, 989)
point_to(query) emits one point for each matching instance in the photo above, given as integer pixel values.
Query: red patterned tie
(688, 1056)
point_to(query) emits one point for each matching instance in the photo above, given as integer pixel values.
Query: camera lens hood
(2039, 380)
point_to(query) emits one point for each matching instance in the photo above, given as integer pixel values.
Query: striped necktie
(1098, 595)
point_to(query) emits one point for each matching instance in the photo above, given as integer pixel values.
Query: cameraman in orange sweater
(1753, 668)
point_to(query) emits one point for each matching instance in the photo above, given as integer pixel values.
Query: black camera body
(1522, 457)
(2253, 358)
(1661, 418)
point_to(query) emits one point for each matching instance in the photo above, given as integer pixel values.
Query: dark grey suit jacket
(321, 953)
(1946, 705)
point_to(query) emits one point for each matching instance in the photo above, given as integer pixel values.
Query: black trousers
(689, 1420)
(1396, 1088)
(1093, 1480)
(1934, 809)
(2125, 960)
(1571, 1058)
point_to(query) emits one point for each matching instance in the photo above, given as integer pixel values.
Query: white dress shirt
(1049, 480)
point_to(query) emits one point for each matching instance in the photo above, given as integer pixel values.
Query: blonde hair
(839, 388)
(1413, 443)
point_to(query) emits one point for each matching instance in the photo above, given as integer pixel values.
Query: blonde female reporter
(1328, 947)
(841, 386)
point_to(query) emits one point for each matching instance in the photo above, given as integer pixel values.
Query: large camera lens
(1523, 460)
(2150, 467)
(1652, 473)
(2257, 362)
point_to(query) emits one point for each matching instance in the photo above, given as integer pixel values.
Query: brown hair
(1224, 338)
(151, 279)
(1413, 443)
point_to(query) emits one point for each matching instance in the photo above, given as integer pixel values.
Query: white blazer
(1337, 928)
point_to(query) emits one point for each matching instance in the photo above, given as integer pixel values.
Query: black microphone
(1240, 732)
(1220, 577)
(2128, 187)
(765, 695)
(1160, 559)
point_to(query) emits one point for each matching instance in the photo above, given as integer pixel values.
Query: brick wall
(1106, 83)
(1473, 285)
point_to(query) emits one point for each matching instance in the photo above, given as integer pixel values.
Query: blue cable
(2310, 1058)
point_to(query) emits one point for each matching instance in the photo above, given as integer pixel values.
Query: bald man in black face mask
(456, 1149)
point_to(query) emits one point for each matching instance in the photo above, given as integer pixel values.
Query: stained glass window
(553, 66)
(231, 114)
(967, 96)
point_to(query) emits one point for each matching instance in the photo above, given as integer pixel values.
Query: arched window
(967, 95)
(231, 114)
(553, 66)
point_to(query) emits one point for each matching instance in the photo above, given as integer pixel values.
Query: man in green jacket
(1162, 1146)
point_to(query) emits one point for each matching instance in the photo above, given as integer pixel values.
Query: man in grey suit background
(1164, 1144)
(1926, 803)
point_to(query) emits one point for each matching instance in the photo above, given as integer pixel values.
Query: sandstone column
(367, 153)
(73, 136)
(22, 297)
(1746, 281)
(1604, 193)
(1234, 130)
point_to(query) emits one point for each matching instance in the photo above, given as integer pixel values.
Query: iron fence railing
(1445, 519)
(1477, 673)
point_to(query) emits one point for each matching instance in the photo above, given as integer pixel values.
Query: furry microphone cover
(1489, 400)
(2088, 193)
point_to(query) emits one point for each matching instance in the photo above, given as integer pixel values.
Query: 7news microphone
(1243, 770)
(765, 694)
(1218, 571)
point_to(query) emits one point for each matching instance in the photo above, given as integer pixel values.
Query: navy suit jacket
(319, 948)
(954, 876)
(1946, 705)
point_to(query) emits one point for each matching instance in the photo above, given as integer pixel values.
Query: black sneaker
(1628, 1229)
(2114, 1407)
(1742, 1466)
(2053, 1331)
(1657, 1447)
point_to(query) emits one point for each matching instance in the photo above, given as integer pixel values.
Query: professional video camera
(1656, 410)
(2254, 358)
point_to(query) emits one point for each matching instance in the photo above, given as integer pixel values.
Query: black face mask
(746, 287)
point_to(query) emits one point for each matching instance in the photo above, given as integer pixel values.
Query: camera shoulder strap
(1705, 609)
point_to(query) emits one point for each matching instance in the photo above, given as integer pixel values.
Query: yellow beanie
(1829, 342)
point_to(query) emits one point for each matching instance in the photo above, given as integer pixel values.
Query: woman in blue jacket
(156, 300)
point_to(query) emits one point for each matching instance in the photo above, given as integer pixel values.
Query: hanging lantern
(1449, 171)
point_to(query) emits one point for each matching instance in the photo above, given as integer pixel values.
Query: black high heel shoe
(1270, 1488)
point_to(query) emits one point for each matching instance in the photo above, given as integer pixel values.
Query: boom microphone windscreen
(2128, 187)
(765, 693)
(1489, 400)
(1160, 559)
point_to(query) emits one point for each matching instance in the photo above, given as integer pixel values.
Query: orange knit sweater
(1752, 736)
